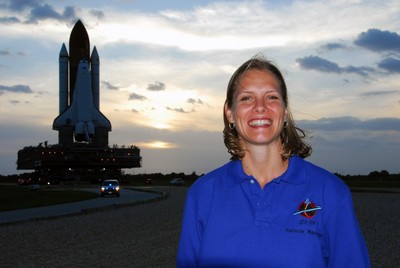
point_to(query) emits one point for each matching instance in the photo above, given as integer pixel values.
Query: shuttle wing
(82, 114)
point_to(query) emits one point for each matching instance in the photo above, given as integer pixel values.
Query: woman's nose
(259, 106)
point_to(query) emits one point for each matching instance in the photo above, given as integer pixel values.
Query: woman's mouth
(260, 122)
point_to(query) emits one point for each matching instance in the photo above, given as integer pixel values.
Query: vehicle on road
(110, 187)
(177, 182)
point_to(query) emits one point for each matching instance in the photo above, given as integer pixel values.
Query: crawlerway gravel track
(146, 235)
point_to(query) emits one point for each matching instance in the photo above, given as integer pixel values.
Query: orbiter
(80, 119)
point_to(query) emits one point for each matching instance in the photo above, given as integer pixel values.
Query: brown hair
(292, 136)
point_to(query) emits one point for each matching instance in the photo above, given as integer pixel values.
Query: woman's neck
(264, 164)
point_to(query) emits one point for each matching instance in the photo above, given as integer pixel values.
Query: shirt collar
(236, 173)
(294, 174)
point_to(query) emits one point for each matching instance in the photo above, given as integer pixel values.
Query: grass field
(18, 197)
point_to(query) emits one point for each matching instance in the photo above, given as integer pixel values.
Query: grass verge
(19, 197)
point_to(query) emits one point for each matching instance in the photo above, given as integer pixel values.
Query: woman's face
(257, 109)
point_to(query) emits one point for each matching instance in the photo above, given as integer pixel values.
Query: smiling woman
(268, 197)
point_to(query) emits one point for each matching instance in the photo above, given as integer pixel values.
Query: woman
(268, 207)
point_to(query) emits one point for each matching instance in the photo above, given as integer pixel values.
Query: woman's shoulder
(208, 180)
(317, 175)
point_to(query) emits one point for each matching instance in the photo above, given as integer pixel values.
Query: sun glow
(163, 109)
(157, 145)
(160, 125)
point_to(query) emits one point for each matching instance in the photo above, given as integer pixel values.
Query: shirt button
(252, 181)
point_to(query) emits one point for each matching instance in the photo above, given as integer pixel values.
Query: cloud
(180, 110)
(39, 11)
(43, 12)
(4, 53)
(134, 96)
(379, 41)
(108, 85)
(361, 70)
(97, 13)
(351, 123)
(16, 5)
(157, 86)
(7, 53)
(322, 65)
(16, 88)
(373, 40)
(379, 93)
(332, 46)
(390, 64)
(198, 102)
(194, 101)
(9, 20)
(46, 11)
(318, 64)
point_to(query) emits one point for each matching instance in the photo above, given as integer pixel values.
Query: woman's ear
(229, 114)
(286, 113)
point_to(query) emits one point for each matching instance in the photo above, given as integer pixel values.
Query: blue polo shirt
(304, 218)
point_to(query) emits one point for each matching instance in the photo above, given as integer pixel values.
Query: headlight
(102, 188)
(117, 188)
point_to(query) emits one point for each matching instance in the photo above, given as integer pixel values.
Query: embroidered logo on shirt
(307, 209)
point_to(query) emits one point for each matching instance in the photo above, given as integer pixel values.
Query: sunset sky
(165, 66)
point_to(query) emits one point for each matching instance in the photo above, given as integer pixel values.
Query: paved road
(131, 236)
(147, 235)
(127, 197)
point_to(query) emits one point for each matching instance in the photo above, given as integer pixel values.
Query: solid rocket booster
(80, 116)
(95, 72)
(63, 79)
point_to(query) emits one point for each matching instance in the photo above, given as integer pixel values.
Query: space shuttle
(80, 119)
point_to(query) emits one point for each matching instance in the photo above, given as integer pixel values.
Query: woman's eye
(245, 98)
(272, 97)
